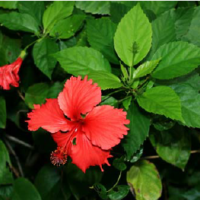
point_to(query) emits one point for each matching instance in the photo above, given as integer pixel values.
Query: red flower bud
(9, 74)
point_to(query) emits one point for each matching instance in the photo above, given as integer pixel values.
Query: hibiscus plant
(99, 100)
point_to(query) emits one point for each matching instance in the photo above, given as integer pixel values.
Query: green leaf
(141, 177)
(94, 7)
(56, 11)
(175, 193)
(117, 11)
(100, 33)
(82, 38)
(178, 59)
(46, 181)
(127, 102)
(3, 60)
(109, 100)
(194, 28)
(124, 71)
(5, 174)
(12, 50)
(105, 80)
(5, 192)
(2, 112)
(80, 182)
(24, 189)
(158, 7)
(193, 193)
(36, 94)
(171, 25)
(190, 104)
(42, 51)
(184, 17)
(128, 4)
(172, 145)
(119, 164)
(33, 8)
(16, 113)
(119, 192)
(138, 31)
(82, 60)
(8, 4)
(136, 156)
(19, 22)
(54, 90)
(163, 124)
(186, 4)
(145, 68)
(161, 100)
(150, 84)
(101, 190)
(192, 79)
(136, 83)
(163, 30)
(138, 130)
(66, 28)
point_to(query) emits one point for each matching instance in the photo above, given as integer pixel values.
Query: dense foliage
(145, 58)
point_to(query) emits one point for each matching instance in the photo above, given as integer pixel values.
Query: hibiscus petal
(49, 116)
(84, 154)
(79, 96)
(105, 126)
(62, 139)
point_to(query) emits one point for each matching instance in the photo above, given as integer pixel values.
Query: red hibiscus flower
(82, 130)
(9, 73)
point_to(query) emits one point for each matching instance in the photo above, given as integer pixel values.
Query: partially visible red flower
(9, 73)
(87, 133)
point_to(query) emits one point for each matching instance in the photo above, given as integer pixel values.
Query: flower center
(58, 157)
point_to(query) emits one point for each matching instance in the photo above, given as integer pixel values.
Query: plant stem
(21, 96)
(116, 91)
(147, 78)
(123, 99)
(34, 42)
(16, 140)
(131, 71)
(120, 174)
(157, 156)
(14, 170)
(195, 151)
(30, 44)
(15, 156)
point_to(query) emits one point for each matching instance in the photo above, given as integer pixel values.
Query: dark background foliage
(159, 159)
